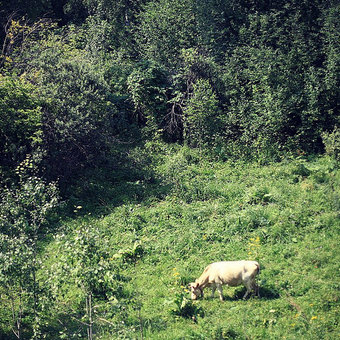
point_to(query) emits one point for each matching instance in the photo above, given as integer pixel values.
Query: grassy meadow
(160, 230)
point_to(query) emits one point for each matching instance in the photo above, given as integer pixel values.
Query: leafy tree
(193, 64)
(79, 111)
(201, 115)
(331, 49)
(147, 85)
(218, 24)
(260, 97)
(113, 18)
(20, 33)
(164, 28)
(276, 93)
(20, 119)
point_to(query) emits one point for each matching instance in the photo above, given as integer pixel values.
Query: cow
(231, 273)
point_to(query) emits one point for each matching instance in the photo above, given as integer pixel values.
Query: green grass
(285, 215)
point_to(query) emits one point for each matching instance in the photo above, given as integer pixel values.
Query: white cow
(231, 273)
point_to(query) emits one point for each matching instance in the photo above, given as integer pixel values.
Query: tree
(275, 86)
(147, 85)
(78, 111)
(20, 119)
(201, 122)
(164, 28)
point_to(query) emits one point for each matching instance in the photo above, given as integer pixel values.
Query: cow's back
(226, 272)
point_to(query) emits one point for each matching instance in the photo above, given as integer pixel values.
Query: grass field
(159, 233)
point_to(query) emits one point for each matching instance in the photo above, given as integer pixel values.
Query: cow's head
(195, 290)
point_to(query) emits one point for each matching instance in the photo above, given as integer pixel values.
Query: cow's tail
(257, 288)
(257, 267)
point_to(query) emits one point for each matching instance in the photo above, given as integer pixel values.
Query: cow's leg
(246, 294)
(220, 291)
(248, 283)
(256, 289)
(213, 288)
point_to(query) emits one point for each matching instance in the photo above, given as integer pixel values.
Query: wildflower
(314, 317)
(175, 274)
(254, 246)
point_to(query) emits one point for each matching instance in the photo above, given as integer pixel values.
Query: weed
(185, 307)
(254, 247)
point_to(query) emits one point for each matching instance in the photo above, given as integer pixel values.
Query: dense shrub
(201, 122)
(332, 143)
(24, 212)
(164, 28)
(80, 115)
(20, 119)
(147, 86)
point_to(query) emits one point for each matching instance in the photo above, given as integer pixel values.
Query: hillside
(285, 215)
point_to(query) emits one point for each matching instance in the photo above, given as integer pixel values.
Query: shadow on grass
(98, 191)
(266, 293)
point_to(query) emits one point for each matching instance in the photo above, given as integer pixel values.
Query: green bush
(332, 143)
(147, 86)
(20, 119)
(201, 122)
(24, 212)
(164, 28)
(81, 110)
(86, 263)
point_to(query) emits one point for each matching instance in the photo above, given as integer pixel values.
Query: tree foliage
(273, 68)
(20, 119)
(201, 125)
